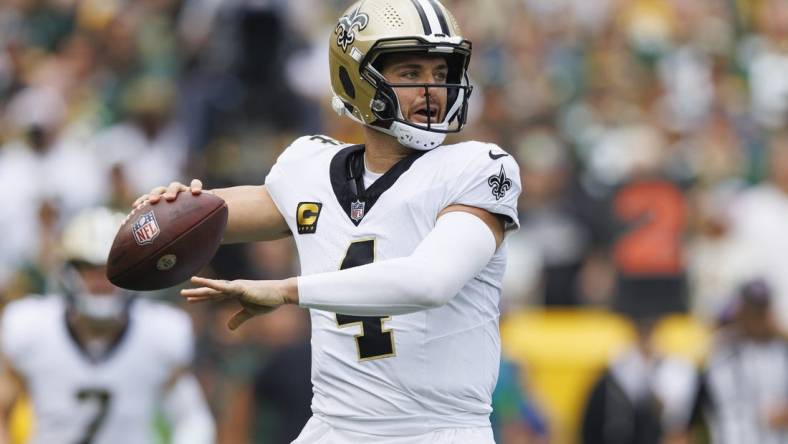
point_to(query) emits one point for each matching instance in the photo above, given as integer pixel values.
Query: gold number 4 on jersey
(374, 342)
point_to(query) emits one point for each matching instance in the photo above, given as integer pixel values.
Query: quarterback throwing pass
(401, 240)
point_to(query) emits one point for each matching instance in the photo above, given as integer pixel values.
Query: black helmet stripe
(432, 18)
(441, 17)
(434, 15)
(425, 23)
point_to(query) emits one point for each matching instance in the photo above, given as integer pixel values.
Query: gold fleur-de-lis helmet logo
(346, 35)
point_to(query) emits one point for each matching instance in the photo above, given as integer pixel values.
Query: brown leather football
(164, 244)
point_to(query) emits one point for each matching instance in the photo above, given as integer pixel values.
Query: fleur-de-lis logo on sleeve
(500, 184)
(345, 32)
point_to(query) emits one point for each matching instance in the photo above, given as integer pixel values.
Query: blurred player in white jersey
(401, 239)
(97, 363)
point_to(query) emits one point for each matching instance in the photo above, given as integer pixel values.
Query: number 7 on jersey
(374, 341)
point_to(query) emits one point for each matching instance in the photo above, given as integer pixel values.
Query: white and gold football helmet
(88, 237)
(372, 28)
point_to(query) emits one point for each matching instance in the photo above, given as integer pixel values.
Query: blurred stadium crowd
(652, 137)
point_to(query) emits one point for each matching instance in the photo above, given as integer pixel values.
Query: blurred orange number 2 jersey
(655, 214)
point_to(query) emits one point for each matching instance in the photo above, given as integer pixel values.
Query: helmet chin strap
(407, 135)
(415, 138)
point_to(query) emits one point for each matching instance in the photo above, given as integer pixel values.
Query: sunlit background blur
(651, 135)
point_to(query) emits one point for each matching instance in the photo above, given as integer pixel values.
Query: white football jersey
(78, 400)
(405, 374)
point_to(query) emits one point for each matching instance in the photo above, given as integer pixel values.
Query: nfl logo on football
(145, 229)
(357, 210)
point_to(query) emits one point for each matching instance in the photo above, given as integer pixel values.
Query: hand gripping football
(162, 245)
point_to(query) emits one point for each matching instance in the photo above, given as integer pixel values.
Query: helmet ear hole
(347, 84)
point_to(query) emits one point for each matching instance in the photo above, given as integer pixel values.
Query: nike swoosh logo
(496, 156)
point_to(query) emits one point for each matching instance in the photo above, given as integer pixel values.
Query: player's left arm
(495, 222)
(478, 207)
(187, 411)
(460, 245)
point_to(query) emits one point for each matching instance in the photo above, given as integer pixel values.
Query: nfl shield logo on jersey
(357, 210)
(145, 229)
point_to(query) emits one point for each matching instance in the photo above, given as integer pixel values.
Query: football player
(401, 239)
(97, 363)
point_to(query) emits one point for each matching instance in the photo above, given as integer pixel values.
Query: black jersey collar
(347, 180)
